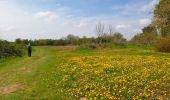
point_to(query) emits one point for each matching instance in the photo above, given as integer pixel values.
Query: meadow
(78, 73)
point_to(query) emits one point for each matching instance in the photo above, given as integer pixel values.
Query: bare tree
(111, 32)
(100, 31)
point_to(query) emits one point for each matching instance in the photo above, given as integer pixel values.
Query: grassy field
(65, 73)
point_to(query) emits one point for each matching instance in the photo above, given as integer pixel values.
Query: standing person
(29, 47)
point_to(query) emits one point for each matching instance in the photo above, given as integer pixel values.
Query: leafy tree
(147, 37)
(72, 38)
(25, 41)
(118, 35)
(18, 41)
(162, 17)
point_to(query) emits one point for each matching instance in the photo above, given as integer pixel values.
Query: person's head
(29, 44)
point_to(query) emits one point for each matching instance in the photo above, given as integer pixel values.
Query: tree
(147, 37)
(18, 41)
(100, 31)
(118, 38)
(25, 41)
(118, 35)
(72, 38)
(111, 32)
(162, 17)
(149, 28)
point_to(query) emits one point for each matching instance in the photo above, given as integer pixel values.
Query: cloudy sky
(35, 19)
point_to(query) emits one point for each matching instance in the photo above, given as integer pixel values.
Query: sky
(53, 19)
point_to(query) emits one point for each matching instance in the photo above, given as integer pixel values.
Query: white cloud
(82, 24)
(122, 26)
(46, 15)
(145, 21)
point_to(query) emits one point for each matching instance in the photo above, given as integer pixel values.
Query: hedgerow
(8, 49)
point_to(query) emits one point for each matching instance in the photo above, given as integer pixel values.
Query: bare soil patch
(25, 69)
(9, 89)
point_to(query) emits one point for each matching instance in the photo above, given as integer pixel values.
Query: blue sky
(35, 19)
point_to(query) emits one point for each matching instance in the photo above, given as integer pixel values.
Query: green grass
(39, 77)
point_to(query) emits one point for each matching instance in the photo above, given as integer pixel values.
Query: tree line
(71, 39)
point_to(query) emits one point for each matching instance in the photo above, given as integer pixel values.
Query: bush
(10, 49)
(92, 46)
(163, 45)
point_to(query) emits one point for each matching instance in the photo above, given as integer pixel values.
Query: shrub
(10, 49)
(163, 45)
(92, 46)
